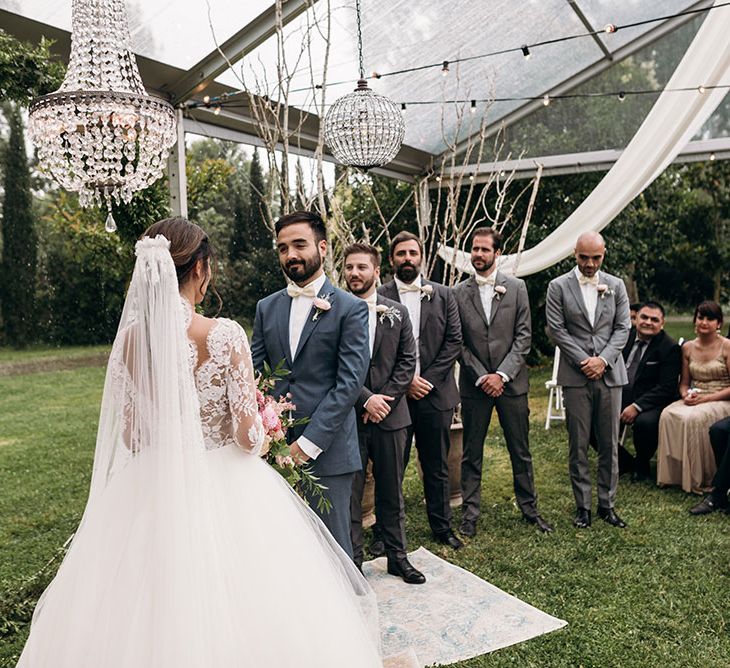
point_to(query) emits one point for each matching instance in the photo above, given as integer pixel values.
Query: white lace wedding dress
(193, 552)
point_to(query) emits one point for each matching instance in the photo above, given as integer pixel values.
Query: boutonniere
(603, 290)
(389, 312)
(322, 304)
(427, 292)
(500, 291)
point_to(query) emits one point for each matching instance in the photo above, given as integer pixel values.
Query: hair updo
(188, 244)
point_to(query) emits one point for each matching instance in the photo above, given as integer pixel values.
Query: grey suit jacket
(439, 343)
(326, 375)
(503, 344)
(392, 365)
(571, 331)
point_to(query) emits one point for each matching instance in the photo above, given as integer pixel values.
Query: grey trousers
(514, 418)
(337, 520)
(599, 406)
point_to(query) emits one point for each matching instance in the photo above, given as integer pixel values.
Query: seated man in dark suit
(717, 499)
(653, 363)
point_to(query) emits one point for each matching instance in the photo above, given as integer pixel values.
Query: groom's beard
(300, 271)
(407, 272)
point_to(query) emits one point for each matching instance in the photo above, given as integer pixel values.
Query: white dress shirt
(298, 314)
(372, 302)
(590, 295)
(412, 301)
(486, 294)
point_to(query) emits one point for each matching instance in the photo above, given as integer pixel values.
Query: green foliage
(85, 269)
(27, 70)
(19, 258)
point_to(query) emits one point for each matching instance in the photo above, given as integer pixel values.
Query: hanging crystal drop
(110, 225)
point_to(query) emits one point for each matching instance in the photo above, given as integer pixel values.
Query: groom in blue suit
(321, 334)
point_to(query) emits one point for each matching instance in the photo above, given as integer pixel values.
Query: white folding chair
(556, 408)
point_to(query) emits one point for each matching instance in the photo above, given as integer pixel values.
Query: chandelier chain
(359, 38)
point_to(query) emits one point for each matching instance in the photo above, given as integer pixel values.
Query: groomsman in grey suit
(319, 332)
(382, 412)
(497, 330)
(432, 395)
(588, 319)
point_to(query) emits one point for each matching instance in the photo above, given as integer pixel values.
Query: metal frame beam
(575, 163)
(256, 32)
(584, 20)
(584, 75)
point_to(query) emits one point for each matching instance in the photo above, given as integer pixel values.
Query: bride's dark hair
(188, 244)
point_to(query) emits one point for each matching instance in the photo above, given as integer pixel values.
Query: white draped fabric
(671, 123)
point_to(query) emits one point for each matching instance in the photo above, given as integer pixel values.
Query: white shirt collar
(372, 300)
(317, 283)
(578, 274)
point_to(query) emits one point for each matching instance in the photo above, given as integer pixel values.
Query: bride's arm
(248, 430)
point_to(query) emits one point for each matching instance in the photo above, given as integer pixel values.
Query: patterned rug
(453, 617)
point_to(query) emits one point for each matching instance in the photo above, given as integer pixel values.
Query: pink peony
(270, 418)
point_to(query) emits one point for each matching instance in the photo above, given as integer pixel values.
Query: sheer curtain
(671, 123)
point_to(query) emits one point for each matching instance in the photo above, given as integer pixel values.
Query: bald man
(588, 319)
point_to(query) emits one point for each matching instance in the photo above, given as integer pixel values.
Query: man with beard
(432, 395)
(317, 332)
(382, 412)
(496, 326)
(588, 319)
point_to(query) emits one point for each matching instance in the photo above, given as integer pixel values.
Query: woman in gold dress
(685, 455)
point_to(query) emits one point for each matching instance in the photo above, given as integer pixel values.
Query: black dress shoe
(609, 515)
(539, 522)
(448, 538)
(468, 528)
(706, 506)
(404, 569)
(377, 546)
(582, 518)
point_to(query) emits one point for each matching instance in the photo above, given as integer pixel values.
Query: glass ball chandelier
(363, 129)
(100, 134)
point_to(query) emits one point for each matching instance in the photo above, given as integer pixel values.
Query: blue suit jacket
(327, 373)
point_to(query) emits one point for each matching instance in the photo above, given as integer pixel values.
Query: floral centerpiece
(276, 416)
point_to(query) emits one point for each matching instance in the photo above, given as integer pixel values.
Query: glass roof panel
(175, 32)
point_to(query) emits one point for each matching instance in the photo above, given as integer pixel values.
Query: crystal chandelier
(363, 129)
(100, 134)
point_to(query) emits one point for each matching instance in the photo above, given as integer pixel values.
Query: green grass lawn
(655, 594)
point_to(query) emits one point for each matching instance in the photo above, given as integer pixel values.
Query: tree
(27, 70)
(19, 238)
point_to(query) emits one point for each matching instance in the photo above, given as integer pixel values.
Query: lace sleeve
(248, 430)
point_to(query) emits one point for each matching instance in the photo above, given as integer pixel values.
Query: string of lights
(524, 49)
(620, 95)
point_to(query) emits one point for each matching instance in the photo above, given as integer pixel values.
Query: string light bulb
(217, 110)
(610, 28)
(473, 107)
(206, 99)
(621, 96)
(546, 100)
(403, 108)
(701, 90)
(712, 156)
(526, 51)
(375, 75)
(445, 68)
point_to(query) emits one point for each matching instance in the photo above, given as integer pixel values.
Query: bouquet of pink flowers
(276, 415)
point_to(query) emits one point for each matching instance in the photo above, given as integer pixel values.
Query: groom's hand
(297, 454)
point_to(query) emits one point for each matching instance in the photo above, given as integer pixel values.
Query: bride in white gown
(193, 552)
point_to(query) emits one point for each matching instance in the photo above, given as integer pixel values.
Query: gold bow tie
(295, 291)
(588, 280)
(485, 280)
(411, 287)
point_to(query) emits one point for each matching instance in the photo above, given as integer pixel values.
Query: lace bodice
(227, 389)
